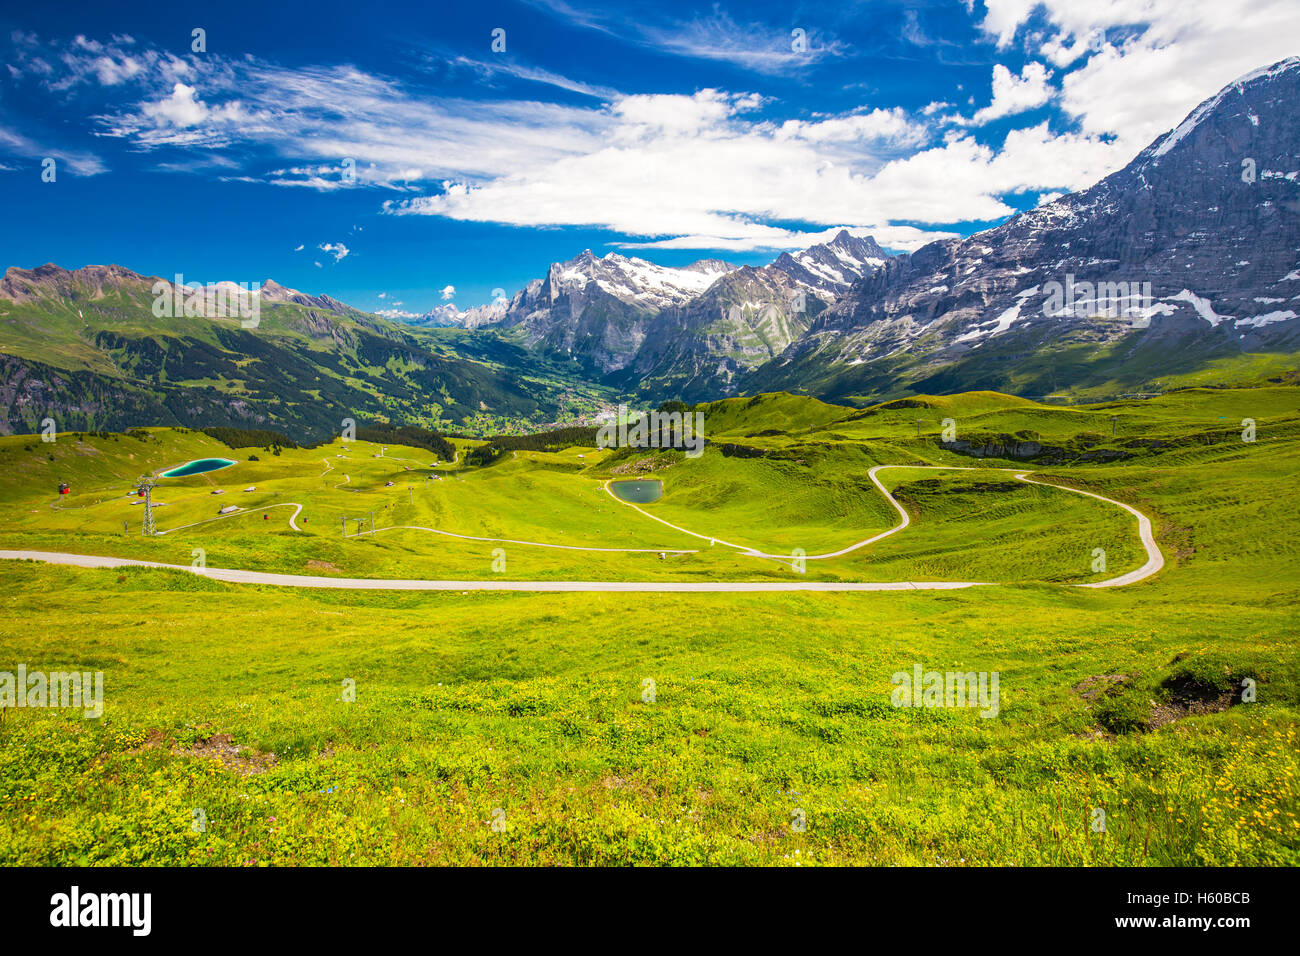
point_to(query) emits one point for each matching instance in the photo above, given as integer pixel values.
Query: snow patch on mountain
(1202, 306)
(1255, 321)
(1003, 322)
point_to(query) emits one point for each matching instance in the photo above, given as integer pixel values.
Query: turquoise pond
(197, 467)
(640, 492)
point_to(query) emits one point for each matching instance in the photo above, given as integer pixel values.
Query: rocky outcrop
(1015, 448)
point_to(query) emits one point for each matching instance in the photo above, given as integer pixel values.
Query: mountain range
(1196, 243)
(1183, 261)
(1182, 267)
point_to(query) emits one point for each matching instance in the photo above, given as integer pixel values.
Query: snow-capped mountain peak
(634, 281)
(831, 267)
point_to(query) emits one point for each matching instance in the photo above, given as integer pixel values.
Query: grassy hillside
(770, 736)
(97, 357)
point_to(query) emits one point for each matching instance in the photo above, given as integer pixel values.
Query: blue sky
(388, 155)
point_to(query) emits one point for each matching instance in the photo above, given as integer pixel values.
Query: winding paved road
(236, 576)
(1155, 559)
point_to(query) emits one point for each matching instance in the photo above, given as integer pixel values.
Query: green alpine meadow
(1152, 723)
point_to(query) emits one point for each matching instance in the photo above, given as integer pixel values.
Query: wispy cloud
(711, 170)
(717, 35)
(506, 67)
(79, 162)
(701, 170)
(752, 46)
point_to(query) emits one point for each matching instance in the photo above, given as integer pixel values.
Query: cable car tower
(146, 492)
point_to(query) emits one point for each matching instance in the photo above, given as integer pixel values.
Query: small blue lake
(197, 467)
(640, 492)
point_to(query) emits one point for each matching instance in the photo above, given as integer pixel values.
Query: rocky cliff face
(598, 310)
(691, 331)
(1188, 253)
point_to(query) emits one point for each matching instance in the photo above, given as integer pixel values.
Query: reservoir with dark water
(642, 491)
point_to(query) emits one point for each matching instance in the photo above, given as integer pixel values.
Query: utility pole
(372, 524)
(918, 428)
(345, 526)
(147, 527)
(1113, 420)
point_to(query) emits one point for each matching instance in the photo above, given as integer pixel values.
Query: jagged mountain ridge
(598, 310)
(703, 347)
(696, 328)
(1220, 254)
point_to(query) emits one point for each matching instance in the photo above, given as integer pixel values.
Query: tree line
(499, 445)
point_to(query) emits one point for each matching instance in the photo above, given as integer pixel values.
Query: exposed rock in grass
(1019, 448)
(1189, 694)
(1090, 687)
(1123, 703)
(643, 465)
(242, 760)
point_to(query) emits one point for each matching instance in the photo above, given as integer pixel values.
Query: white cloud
(879, 125)
(696, 166)
(335, 249)
(1003, 17)
(322, 115)
(692, 172)
(449, 292)
(499, 66)
(112, 72)
(178, 109)
(712, 169)
(752, 46)
(1012, 94)
(1063, 53)
(1158, 61)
